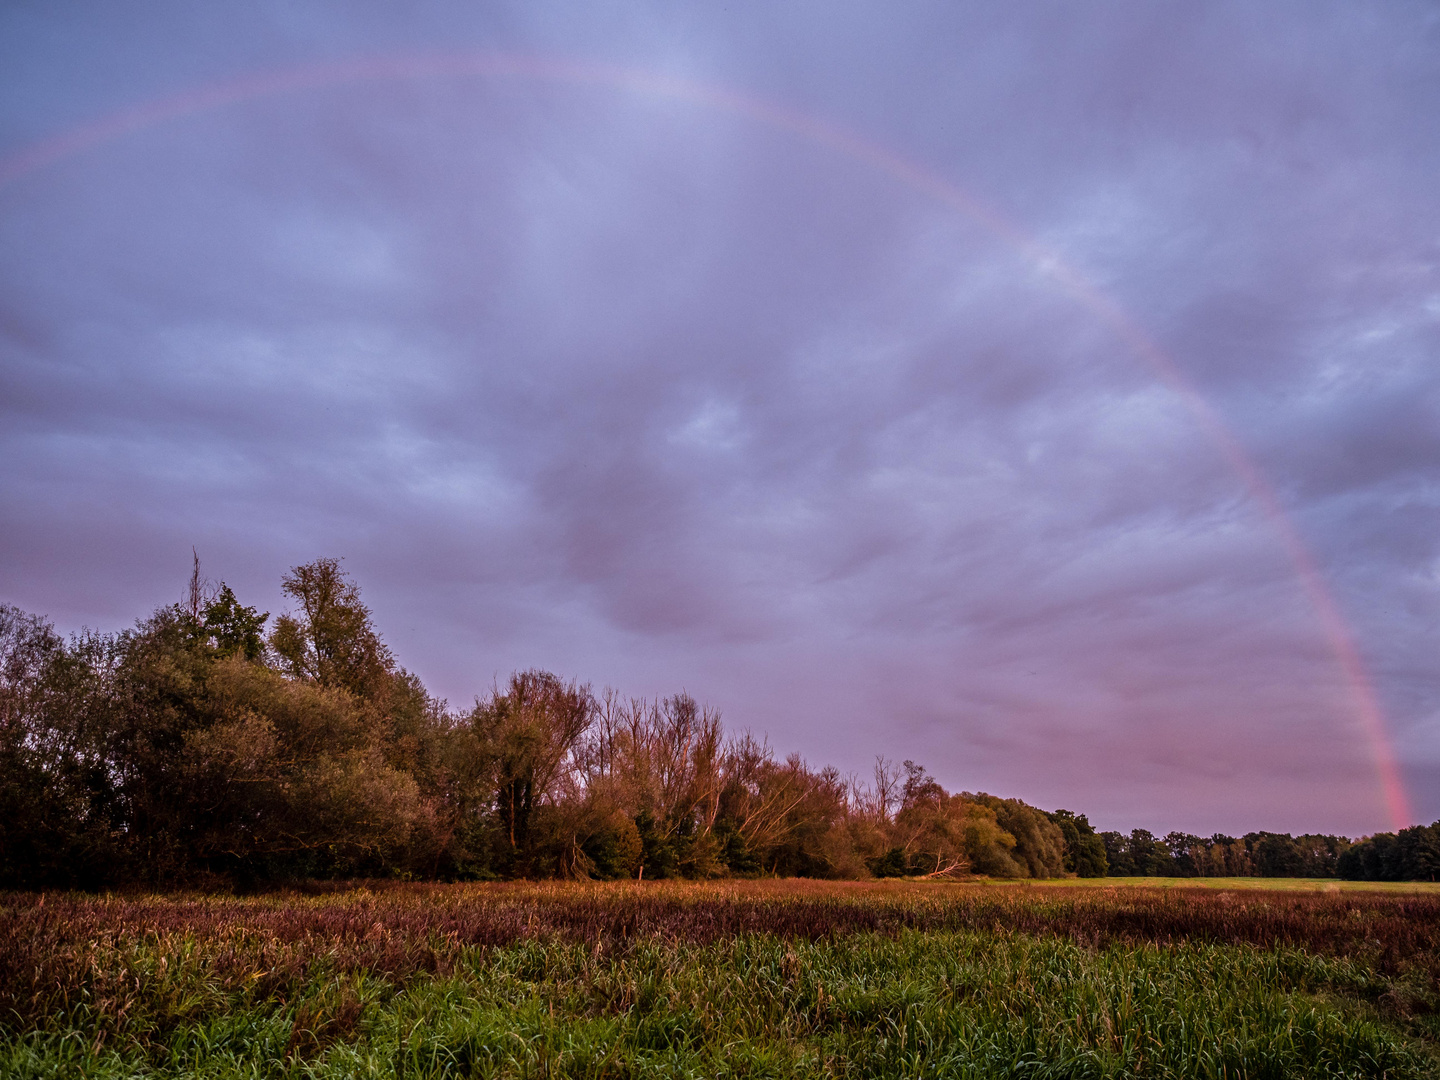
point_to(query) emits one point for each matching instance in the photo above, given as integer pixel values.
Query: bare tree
(659, 763)
(200, 592)
(879, 800)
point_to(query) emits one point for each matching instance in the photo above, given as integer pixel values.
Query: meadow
(1230, 884)
(764, 978)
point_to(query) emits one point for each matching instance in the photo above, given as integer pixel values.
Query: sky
(1048, 394)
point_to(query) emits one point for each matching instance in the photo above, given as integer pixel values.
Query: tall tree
(330, 640)
(527, 734)
(56, 792)
(1084, 850)
(231, 629)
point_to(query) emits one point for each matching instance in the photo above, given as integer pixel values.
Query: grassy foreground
(736, 979)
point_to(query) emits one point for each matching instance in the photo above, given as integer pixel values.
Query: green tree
(1418, 850)
(1413, 854)
(291, 778)
(1039, 842)
(942, 834)
(231, 629)
(1150, 855)
(56, 795)
(1138, 855)
(1275, 854)
(330, 640)
(1084, 850)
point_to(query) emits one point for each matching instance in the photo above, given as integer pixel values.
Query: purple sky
(652, 393)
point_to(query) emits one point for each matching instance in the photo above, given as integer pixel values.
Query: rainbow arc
(918, 177)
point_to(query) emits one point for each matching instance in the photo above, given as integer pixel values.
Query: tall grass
(766, 979)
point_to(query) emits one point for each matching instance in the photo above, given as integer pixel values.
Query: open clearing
(1329, 885)
(771, 978)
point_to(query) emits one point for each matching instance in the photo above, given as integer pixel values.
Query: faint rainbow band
(823, 133)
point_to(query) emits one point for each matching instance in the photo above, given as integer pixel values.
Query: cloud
(653, 394)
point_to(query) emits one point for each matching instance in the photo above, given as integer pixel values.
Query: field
(770, 978)
(1230, 884)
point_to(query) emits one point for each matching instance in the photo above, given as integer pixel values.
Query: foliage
(196, 748)
(1260, 854)
(230, 629)
(1413, 854)
(1084, 849)
(181, 750)
(330, 640)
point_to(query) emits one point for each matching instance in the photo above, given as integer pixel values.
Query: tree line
(1411, 855)
(210, 745)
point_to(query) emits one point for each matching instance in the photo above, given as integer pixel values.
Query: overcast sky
(621, 376)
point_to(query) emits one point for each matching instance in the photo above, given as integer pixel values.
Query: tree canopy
(196, 747)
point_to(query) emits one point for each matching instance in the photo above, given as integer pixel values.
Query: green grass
(608, 981)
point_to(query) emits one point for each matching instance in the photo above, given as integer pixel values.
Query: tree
(1084, 850)
(231, 629)
(149, 697)
(218, 620)
(1411, 855)
(660, 765)
(55, 824)
(940, 834)
(331, 641)
(763, 802)
(1151, 856)
(290, 777)
(1117, 854)
(812, 840)
(1039, 843)
(1275, 854)
(1138, 855)
(1187, 853)
(527, 734)
(1418, 850)
(930, 836)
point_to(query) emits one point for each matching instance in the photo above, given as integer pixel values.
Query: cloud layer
(653, 393)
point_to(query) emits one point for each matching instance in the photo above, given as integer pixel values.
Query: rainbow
(914, 175)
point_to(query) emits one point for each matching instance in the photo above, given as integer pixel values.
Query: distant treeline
(198, 748)
(1412, 855)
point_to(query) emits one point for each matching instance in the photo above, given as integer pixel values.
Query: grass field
(727, 979)
(1329, 885)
